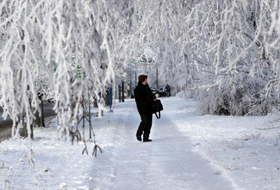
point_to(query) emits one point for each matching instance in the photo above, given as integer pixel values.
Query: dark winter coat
(144, 99)
(167, 87)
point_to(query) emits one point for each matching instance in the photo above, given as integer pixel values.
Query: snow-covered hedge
(245, 98)
(187, 94)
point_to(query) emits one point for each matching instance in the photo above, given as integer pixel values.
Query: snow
(188, 151)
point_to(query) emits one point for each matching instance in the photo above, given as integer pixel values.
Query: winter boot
(147, 140)
(138, 137)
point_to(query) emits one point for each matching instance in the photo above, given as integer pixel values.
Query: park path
(168, 162)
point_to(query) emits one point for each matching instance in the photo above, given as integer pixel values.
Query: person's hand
(155, 99)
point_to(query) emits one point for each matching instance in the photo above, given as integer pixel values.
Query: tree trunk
(42, 118)
(23, 130)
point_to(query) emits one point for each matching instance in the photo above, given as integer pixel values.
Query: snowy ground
(188, 152)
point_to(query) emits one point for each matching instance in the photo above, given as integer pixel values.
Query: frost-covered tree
(234, 37)
(74, 42)
(227, 51)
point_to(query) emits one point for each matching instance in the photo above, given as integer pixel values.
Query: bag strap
(158, 116)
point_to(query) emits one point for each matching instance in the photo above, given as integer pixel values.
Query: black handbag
(157, 108)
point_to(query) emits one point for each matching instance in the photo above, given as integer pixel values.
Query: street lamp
(150, 60)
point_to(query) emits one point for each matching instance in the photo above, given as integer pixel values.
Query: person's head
(143, 79)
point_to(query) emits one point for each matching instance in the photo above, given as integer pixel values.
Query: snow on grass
(242, 147)
(188, 151)
(58, 164)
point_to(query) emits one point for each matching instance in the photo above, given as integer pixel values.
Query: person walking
(144, 101)
(167, 88)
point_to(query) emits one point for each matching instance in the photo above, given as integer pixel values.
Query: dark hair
(142, 78)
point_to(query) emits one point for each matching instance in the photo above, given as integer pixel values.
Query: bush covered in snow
(188, 94)
(245, 98)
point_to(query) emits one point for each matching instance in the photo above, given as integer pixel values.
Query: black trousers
(145, 125)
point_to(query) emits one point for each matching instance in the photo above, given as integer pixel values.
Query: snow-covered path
(166, 163)
(188, 152)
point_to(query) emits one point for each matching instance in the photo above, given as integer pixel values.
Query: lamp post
(111, 98)
(145, 62)
(122, 91)
(130, 86)
(135, 80)
(157, 75)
